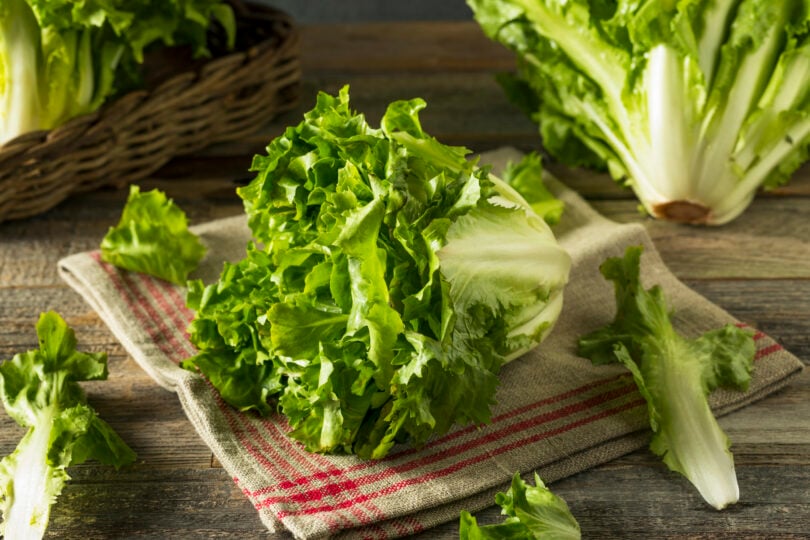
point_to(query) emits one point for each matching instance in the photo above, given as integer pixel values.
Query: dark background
(319, 11)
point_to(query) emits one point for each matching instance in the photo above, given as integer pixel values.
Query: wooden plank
(370, 10)
(144, 501)
(397, 47)
(769, 241)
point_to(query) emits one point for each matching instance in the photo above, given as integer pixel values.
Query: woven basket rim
(244, 11)
(189, 104)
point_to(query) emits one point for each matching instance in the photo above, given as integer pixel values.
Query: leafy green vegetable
(695, 104)
(153, 237)
(526, 177)
(390, 280)
(675, 375)
(39, 390)
(534, 513)
(63, 58)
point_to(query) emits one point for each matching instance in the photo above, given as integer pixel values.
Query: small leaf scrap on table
(532, 513)
(152, 237)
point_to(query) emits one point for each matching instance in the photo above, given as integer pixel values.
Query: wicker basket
(215, 100)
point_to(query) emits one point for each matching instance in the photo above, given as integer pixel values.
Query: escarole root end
(684, 211)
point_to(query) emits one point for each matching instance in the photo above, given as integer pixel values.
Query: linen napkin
(556, 413)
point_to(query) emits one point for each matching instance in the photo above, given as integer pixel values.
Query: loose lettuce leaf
(40, 391)
(533, 513)
(152, 237)
(675, 375)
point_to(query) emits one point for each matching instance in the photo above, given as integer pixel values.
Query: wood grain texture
(758, 268)
(416, 46)
(769, 242)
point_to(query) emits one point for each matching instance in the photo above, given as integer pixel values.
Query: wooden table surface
(758, 268)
